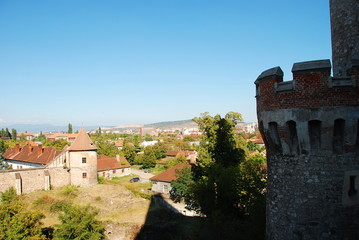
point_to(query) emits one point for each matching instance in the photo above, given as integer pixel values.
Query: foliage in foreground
(79, 222)
(15, 221)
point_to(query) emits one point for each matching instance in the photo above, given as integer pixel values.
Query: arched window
(293, 137)
(275, 143)
(338, 136)
(314, 128)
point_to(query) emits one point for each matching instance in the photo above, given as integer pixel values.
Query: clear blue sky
(114, 62)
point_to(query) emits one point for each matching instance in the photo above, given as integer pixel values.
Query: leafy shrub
(70, 190)
(43, 200)
(100, 180)
(59, 205)
(79, 222)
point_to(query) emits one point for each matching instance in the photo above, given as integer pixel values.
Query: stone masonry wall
(344, 15)
(311, 130)
(33, 179)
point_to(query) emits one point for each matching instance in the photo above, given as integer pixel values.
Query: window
(338, 138)
(274, 137)
(103, 174)
(123, 170)
(352, 189)
(84, 175)
(314, 128)
(114, 171)
(83, 160)
(293, 137)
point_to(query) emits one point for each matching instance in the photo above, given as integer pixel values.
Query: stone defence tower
(310, 126)
(83, 160)
(345, 34)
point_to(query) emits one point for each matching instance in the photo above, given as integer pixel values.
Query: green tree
(148, 137)
(13, 134)
(160, 150)
(15, 221)
(106, 147)
(180, 187)
(69, 128)
(180, 158)
(149, 158)
(80, 223)
(129, 152)
(41, 138)
(218, 173)
(2, 147)
(59, 144)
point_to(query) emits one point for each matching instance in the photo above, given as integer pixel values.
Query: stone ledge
(341, 82)
(284, 86)
(311, 65)
(276, 71)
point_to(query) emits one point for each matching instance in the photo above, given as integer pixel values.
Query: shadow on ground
(165, 222)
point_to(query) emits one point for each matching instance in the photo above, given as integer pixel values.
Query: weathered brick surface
(311, 90)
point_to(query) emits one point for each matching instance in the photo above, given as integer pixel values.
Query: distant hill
(36, 128)
(173, 124)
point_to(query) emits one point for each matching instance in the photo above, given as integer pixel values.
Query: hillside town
(292, 175)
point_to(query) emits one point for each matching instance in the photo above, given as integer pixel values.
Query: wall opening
(338, 137)
(352, 189)
(293, 137)
(314, 128)
(275, 143)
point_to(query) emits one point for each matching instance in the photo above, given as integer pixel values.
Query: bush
(59, 205)
(100, 180)
(70, 190)
(79, 222)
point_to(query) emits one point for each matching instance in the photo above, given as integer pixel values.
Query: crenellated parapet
(313, 114)
(312, 87)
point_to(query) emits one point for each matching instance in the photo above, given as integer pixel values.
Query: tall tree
(218, 187)
(13, 134)
(129, 152)
(69, 128)
(149, 157)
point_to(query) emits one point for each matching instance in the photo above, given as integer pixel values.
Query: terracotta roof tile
(170, 174)
(31, 154)
(82, 142)
(107, 163)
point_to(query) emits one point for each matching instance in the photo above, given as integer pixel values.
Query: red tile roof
(170, 174)
(82, 142)
(31, 154)
(107, 163)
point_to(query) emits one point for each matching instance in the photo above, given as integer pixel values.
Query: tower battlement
(312, 87)
(310, 126)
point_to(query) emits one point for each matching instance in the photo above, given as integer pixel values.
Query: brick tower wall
(310, 127)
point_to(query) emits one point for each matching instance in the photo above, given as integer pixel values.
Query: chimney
(39, 149)
(17, 148)
(118, 158)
